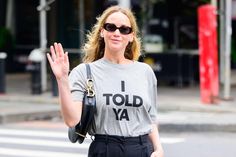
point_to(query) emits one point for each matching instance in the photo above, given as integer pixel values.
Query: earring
(101, 34)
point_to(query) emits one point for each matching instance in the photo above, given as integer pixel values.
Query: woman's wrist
(62, 79)
(63, 83)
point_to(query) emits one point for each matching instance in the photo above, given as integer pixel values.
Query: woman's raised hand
(59, 61)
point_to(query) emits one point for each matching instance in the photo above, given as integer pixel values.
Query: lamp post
(228, 33)
(225, 46)
(43, 8)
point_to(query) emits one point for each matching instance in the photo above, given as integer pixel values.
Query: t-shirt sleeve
(77, 82)
(153, 96)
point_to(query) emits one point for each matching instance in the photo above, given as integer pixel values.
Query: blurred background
(189, 125)
(169, 31)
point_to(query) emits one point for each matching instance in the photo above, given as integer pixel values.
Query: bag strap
(89, 75)
(90, 89)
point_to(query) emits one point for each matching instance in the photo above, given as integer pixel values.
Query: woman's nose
(117, 32)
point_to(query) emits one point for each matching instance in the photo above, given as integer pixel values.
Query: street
(202, 145)
(49, 139)
(38, 139)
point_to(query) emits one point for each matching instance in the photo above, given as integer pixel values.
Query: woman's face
(116, 40)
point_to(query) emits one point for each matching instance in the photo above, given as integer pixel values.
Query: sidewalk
(180, 109)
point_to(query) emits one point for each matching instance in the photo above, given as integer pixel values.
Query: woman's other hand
(59, 61)
(159, 153)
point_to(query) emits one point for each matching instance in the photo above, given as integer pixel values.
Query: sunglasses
(110, 27)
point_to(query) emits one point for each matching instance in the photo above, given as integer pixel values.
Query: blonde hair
(94, 47)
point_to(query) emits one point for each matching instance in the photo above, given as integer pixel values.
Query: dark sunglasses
(110, 27)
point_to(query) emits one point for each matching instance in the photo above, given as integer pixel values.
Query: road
(49, 139)
(202, 144)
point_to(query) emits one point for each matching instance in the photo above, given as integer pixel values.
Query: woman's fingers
(56, 47)
(57, 53)
(50, 59)
(53, 53)
(60, 50)
(66, 59)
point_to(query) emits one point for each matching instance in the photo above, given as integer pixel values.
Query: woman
(126, 94)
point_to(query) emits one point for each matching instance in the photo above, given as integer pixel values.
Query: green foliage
(6, 40)
(233, 50)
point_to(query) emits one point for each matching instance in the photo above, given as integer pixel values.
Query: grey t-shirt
(126, 96)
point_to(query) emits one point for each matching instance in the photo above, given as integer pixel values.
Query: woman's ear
(131, 38)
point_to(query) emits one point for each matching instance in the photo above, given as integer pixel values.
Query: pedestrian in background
(126, 90)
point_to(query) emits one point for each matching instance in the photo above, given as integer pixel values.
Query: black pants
(117, 146)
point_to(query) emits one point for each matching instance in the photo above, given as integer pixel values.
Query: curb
(167, 108)
(173, 128)
(31, 99)
(19, 117)
(175, 121)
(173, 118)
(17, 111)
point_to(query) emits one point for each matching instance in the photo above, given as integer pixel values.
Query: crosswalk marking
(33, 133)
(63, 135)
(39, 142)
(47, 143)
(167, 140)
(36, 153)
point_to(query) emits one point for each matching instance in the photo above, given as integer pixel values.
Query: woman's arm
(59, 62)
(155, 139)
(71, 110)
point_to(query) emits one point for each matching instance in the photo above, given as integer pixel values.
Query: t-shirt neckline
(128, 65)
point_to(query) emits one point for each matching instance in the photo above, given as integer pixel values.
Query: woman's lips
(116, 40)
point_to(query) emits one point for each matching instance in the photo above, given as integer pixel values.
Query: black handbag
(78, 132)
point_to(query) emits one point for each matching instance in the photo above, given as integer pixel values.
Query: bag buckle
(90, 91)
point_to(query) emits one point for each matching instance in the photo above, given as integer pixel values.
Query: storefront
(164, 27)
(21, 18)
